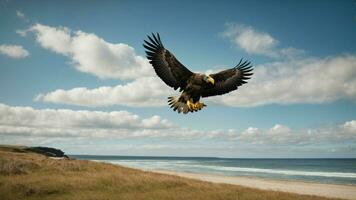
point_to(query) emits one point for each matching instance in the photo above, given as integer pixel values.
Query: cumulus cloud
(283, 135)
(13, 51)
(250, 40)
(82, 123)
(311, 80)
(65, 123)
(92, 54)
(256, 42)
(142, 92)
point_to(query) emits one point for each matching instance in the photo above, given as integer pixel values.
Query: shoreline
(298, 187)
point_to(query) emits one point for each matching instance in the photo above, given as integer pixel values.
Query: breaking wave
(194, 167)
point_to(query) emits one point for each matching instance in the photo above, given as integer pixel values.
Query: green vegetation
(28, 175)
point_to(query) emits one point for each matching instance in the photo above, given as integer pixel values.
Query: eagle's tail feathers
(178, 105)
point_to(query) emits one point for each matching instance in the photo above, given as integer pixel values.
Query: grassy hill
(25, 174)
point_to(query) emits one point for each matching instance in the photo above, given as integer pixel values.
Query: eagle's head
(208, 79)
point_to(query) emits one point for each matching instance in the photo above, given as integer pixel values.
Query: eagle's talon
(198, 105)
(190, 105)
(194, 106)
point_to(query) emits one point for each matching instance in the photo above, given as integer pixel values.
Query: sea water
(337, 171)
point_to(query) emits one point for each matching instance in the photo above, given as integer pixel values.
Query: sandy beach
(325, 190)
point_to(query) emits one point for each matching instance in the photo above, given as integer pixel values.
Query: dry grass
(25, 175)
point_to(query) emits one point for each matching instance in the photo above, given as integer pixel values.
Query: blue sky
(73, 76)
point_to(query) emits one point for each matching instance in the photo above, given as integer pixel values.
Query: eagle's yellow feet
(198, 105)
(194, 106)
(190, 105)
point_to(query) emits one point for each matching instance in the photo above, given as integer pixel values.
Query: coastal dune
(26, 174)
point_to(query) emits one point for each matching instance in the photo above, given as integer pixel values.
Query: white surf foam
(280, 171)
(179, 165)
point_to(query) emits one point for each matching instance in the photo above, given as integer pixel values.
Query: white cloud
(65, 123)
(283, 135)
(257, 42)
(142, 92)
(250, 40)
(312, 80)
(350, 126)
(92, 54)
(83, 123)
(13, 51)
(83, 130)
(22, 16)
(22, 33)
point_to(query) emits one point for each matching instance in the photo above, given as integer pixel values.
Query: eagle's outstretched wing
(167, 67)
(229, 80)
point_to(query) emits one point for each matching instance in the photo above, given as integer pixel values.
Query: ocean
(335, 171)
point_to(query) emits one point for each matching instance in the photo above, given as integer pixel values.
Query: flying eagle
(193, 85)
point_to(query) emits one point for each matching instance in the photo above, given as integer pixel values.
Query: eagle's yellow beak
(211, 80)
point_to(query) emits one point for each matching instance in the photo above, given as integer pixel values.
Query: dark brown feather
(166, 66)
(229, 80)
